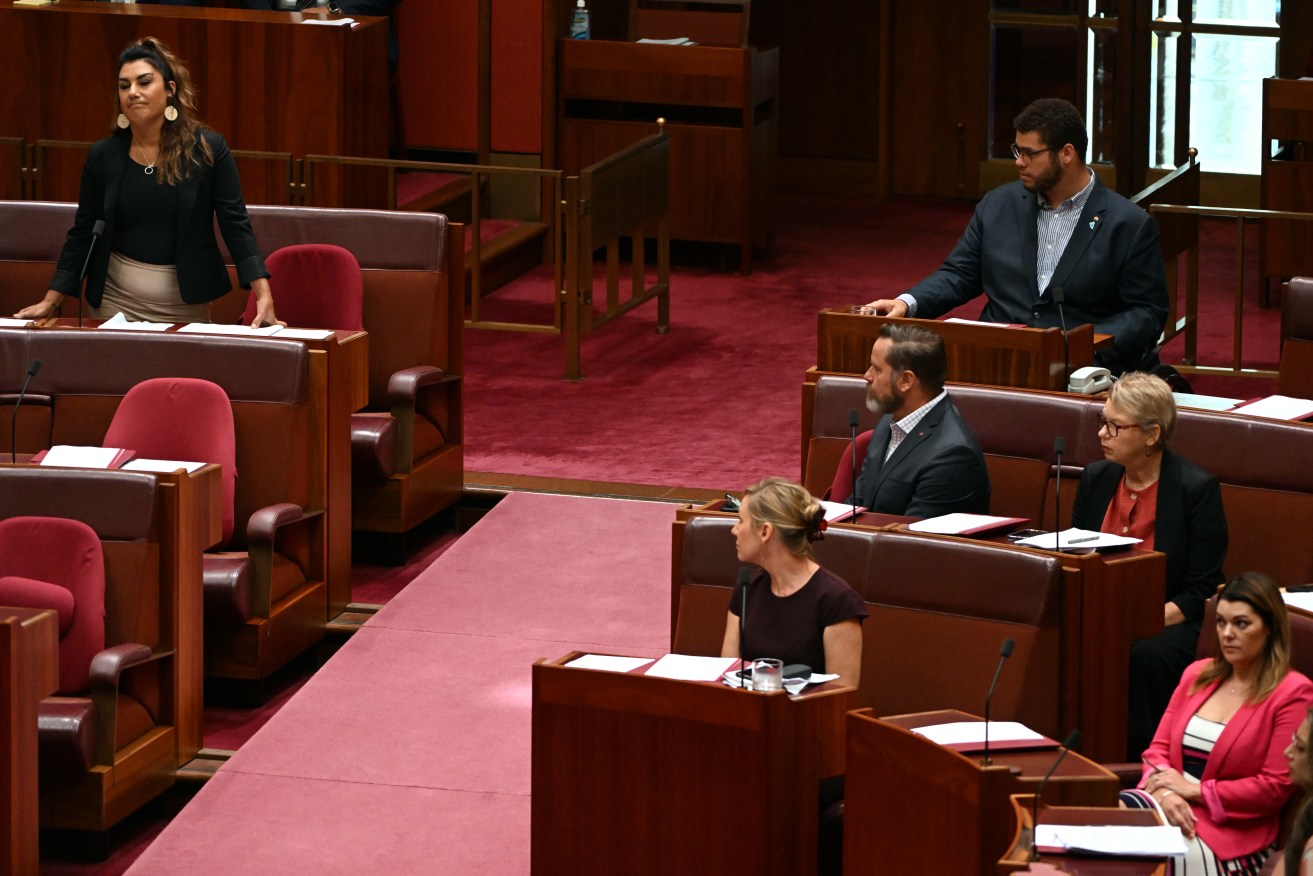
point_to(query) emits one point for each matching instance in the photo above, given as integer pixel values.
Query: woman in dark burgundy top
(796, 610)
(1142, 489)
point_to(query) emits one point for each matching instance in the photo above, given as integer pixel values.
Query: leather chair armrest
(405, 397)
(261, 537)
(1127, 773)
(107, 669)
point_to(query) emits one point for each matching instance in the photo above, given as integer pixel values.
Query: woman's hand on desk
(1174, 793)
(45, 311)
(264, 305)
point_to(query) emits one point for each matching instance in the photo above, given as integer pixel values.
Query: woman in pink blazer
(1216, 767)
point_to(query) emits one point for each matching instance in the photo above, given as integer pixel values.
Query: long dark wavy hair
(182, 148)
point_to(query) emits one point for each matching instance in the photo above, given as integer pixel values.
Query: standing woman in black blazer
(1143, 490)
(158, 182)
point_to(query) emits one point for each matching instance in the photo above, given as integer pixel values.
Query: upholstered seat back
(57, 563)
(180, 418)
(314, 286)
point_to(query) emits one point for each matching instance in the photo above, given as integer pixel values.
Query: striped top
(1200, 737)
(1054, 226)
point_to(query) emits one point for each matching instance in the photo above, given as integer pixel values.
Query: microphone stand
(744, 575)
(96, 230)
(1059, 446)
(1058, 297)
(32, 369)
(1072, 741)
(852, 426)
(1003, 654)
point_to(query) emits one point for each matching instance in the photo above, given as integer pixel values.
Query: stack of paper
(1162, 841)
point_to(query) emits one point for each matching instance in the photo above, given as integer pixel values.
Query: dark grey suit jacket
(212, 192)
(938, 469)
(1111, 272)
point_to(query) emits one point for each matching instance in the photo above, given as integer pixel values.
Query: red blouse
(1131, 513)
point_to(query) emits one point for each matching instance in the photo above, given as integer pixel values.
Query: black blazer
(212, 191)
(1189, 525)
(1111, 271)
(938, 469)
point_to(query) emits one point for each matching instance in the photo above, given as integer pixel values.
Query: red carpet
(715, 403)
(409, 751)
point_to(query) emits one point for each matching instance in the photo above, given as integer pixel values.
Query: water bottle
(579, 28)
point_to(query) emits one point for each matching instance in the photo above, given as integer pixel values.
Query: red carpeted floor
(409, 751)
(715, 403)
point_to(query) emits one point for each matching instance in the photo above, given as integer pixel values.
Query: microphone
(32, 369)
(852, 426)
(744, 574)
(1058, 297)
(1072, 741)
(96, 230)
(1003, 654)
(1059, 447)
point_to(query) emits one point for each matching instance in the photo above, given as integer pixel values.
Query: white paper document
(119, 322)
(1278, 407)
(1159, 841)
(955, 524)
(303, 334)
(7, 322)
(687, 668)
(80, 457)
(1302, 600)
(214, 328)
(162, 465)
(674, 41)
(1205, 402)
(332, 22)
(607, 662)
(839, 510)
(973, 732)
(1079, 539)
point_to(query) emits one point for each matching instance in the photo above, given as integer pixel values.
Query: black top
(792, 628)
(147, 223)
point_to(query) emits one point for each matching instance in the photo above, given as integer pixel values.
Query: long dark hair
(1302, 829)
(178, 139)
(1261, 594)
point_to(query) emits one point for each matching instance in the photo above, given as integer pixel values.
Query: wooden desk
(29, 672)
(915, 806)
(1017, 858)
(266, 82)
(1031, 358)
(639, 774)
(346, 391)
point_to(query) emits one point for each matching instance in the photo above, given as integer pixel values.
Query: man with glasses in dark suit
(1056, 228)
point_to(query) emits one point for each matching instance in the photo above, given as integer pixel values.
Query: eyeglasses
(1027, 154)
(1114, 427)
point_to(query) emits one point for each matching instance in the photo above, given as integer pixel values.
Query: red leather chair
(315, 285)
(56, 563)
(842, 485)
(147, 422)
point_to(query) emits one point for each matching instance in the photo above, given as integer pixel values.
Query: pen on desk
(1083, 539)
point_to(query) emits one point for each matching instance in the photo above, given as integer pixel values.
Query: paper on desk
(6, 322)
(960, 321)
(1278, 407)
(303, 334)
(836, 511)
(1205, 402)
(674, 41)
(960, 524)
(607, 662)
(333, 22)
(1302, 600)
(1112, 839)
(1082, 539)
(70, 456)
(162, 465)
(687, 668)
(215, 328)
(119, 322)
(973, 732)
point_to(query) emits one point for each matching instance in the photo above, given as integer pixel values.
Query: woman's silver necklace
(150, 165)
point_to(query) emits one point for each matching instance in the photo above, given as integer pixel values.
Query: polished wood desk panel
(266, 81)
(633, 774)
(29, 672)
(914, 806)
(1031, 358)
(1017, 858)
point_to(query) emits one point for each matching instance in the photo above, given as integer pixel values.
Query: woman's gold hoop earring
(171, 113)
(123, 121)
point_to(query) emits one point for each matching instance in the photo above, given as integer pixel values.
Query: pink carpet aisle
(409, 751)
(715, 403)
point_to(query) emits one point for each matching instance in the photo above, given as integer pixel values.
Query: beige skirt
(143, 292)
